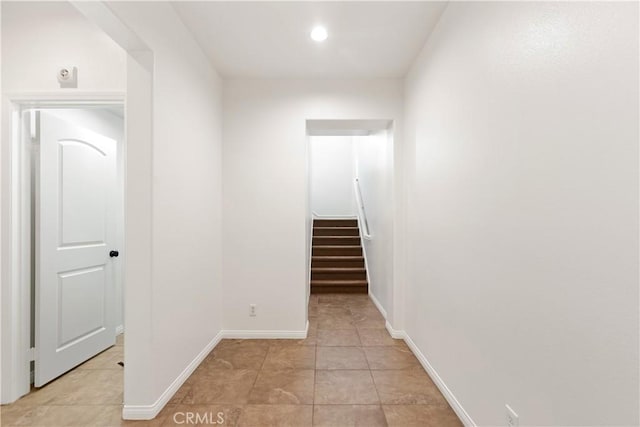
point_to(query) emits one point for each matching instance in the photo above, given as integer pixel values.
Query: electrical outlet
(252, 310)
(512, 417)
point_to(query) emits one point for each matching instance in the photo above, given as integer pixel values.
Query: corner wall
(183, 305)
(265, 188)
(522, 154)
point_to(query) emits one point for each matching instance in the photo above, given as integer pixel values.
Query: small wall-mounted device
(68, 77)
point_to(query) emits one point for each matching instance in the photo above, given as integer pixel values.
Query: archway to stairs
(350, 214)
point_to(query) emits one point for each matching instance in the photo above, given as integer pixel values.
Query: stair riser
(339, 290)
(338, 263)
(356, 275)
(336, 251)
(331, 241)
(336, 231)
(335, 223)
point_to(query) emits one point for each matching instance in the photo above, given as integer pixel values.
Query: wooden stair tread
(335, 240)
(340, 290)
(336, 246)
(338, 269)
(336, 231)
(329, 282)
(338, 257)
(335, 222)
(323, 227)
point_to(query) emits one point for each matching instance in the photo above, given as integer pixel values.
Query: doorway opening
(69, 183)
(350, 208)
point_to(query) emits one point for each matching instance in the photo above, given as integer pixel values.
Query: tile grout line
(375, 386)
(253, 386)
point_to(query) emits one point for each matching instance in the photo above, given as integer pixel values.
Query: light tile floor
(347, 372)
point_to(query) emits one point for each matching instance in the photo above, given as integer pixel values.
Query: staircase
(337, 264)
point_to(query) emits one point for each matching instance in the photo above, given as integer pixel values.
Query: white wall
(374, 170)
(186, 272)
(332, 173)
(522, 119)
(265, 188)
(40, 37)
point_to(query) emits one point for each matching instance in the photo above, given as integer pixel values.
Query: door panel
(82, 189)
(75, 303)
(81, 300)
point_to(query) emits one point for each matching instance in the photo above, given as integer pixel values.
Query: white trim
(464, 416)
(258, 334)
(310, 255)
(396, 334)
(119, 329)
(15, 288)
(375, 300)
(457, 407)
(66, 99)
(148, 412)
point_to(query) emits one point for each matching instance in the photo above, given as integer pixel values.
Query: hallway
(488, 150)
(348, 372)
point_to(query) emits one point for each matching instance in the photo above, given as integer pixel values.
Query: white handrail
(362, 214)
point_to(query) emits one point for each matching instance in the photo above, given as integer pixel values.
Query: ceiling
(271, 39)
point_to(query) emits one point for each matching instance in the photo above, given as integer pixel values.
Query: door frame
(15, 268)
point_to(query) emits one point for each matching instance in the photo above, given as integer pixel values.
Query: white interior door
(75, 229)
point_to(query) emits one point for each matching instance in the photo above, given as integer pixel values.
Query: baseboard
(148, 412)
(378, 305)
(453, 402)
(119, 329)
(396, 334)
(269, 334)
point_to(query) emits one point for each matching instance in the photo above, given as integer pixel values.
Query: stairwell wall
(374, 170)
(265, 186)
(522, 286)
(331, 176)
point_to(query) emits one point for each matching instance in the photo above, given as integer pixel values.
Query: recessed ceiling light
(319, 33)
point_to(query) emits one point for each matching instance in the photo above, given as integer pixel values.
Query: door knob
(114, 254)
